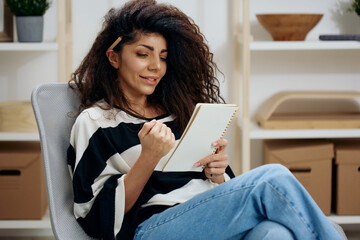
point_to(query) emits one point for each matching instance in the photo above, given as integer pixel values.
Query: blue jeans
(247, 207)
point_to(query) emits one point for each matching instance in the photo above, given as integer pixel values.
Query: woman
(139, 84)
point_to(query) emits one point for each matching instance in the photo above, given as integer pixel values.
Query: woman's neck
(145, 110)
(142, 107)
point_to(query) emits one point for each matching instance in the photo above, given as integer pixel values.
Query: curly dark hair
(191, 72)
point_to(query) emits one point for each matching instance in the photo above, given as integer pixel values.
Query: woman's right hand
(156, 140)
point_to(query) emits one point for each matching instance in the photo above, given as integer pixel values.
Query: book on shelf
(340, 37)
(207, 124)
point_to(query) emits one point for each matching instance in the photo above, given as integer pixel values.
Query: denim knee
(276, 167)
(277, 175)
(275, 170)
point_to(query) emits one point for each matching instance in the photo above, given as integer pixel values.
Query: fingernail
(197, 164)
(214, 144)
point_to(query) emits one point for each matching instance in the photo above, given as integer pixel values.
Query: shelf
(257, 132)
(9, 136)
(303, 45)
(345, 219)
(16, 46)
(43, 223)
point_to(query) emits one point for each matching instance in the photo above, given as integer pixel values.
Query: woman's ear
(114, 59)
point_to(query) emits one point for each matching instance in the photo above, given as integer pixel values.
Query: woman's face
(142, 65)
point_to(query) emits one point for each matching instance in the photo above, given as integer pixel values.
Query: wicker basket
(17, 116)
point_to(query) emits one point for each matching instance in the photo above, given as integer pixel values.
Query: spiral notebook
(208, 123)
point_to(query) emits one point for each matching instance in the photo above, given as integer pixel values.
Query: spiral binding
(226, 128)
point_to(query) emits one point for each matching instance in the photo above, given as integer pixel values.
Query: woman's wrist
(148, 160)
(217, 179)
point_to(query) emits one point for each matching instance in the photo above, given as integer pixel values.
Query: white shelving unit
(304, 45)
(59, 53)
(25, 228)
(9, 136)
(43, 223)
(258, 133)
(345, 219)
(29, 46)
(260, 52)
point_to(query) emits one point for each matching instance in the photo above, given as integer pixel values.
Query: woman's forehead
(151, 39)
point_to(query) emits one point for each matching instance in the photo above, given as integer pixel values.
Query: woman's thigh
(232, 209)
(206, 216)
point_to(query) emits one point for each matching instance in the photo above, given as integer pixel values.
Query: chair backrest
(55, 106)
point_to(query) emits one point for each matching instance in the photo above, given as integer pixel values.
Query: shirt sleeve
(98, 179)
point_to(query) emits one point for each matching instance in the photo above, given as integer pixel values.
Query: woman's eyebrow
(152, 48)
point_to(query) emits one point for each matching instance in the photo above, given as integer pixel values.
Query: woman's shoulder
(94, 113)
(100, 114)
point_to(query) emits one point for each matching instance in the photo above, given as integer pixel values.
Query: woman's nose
(155, 63)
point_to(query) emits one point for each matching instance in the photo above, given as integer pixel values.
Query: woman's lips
(149, 79)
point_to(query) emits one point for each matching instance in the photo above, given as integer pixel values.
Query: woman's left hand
(215, 164)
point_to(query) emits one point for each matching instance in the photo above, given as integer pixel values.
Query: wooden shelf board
(9, 136)
(345, 219)
(16, 46)
(304, 45)
(257, 132)
(312, 120)
(43, 223)
(26, 233)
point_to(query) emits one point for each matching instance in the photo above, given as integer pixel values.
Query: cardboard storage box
(22, 183)
(311, 163)
(347, 177)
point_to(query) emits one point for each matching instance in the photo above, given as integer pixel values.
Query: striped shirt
(104, 145)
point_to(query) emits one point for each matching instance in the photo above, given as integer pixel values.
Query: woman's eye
(141, 54)
(163, 57)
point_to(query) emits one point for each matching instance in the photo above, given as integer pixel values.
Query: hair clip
(115, 43)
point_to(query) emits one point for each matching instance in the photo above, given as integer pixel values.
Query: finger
(213, 176)
(169, 134)
(146, 128)
(157, 127)
(203, 161)
(171, 138)
(164, 130)
(211, 158)
(220, 144)
(218, 164)
(212, 172)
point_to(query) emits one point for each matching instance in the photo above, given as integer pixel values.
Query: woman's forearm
(136, 179)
